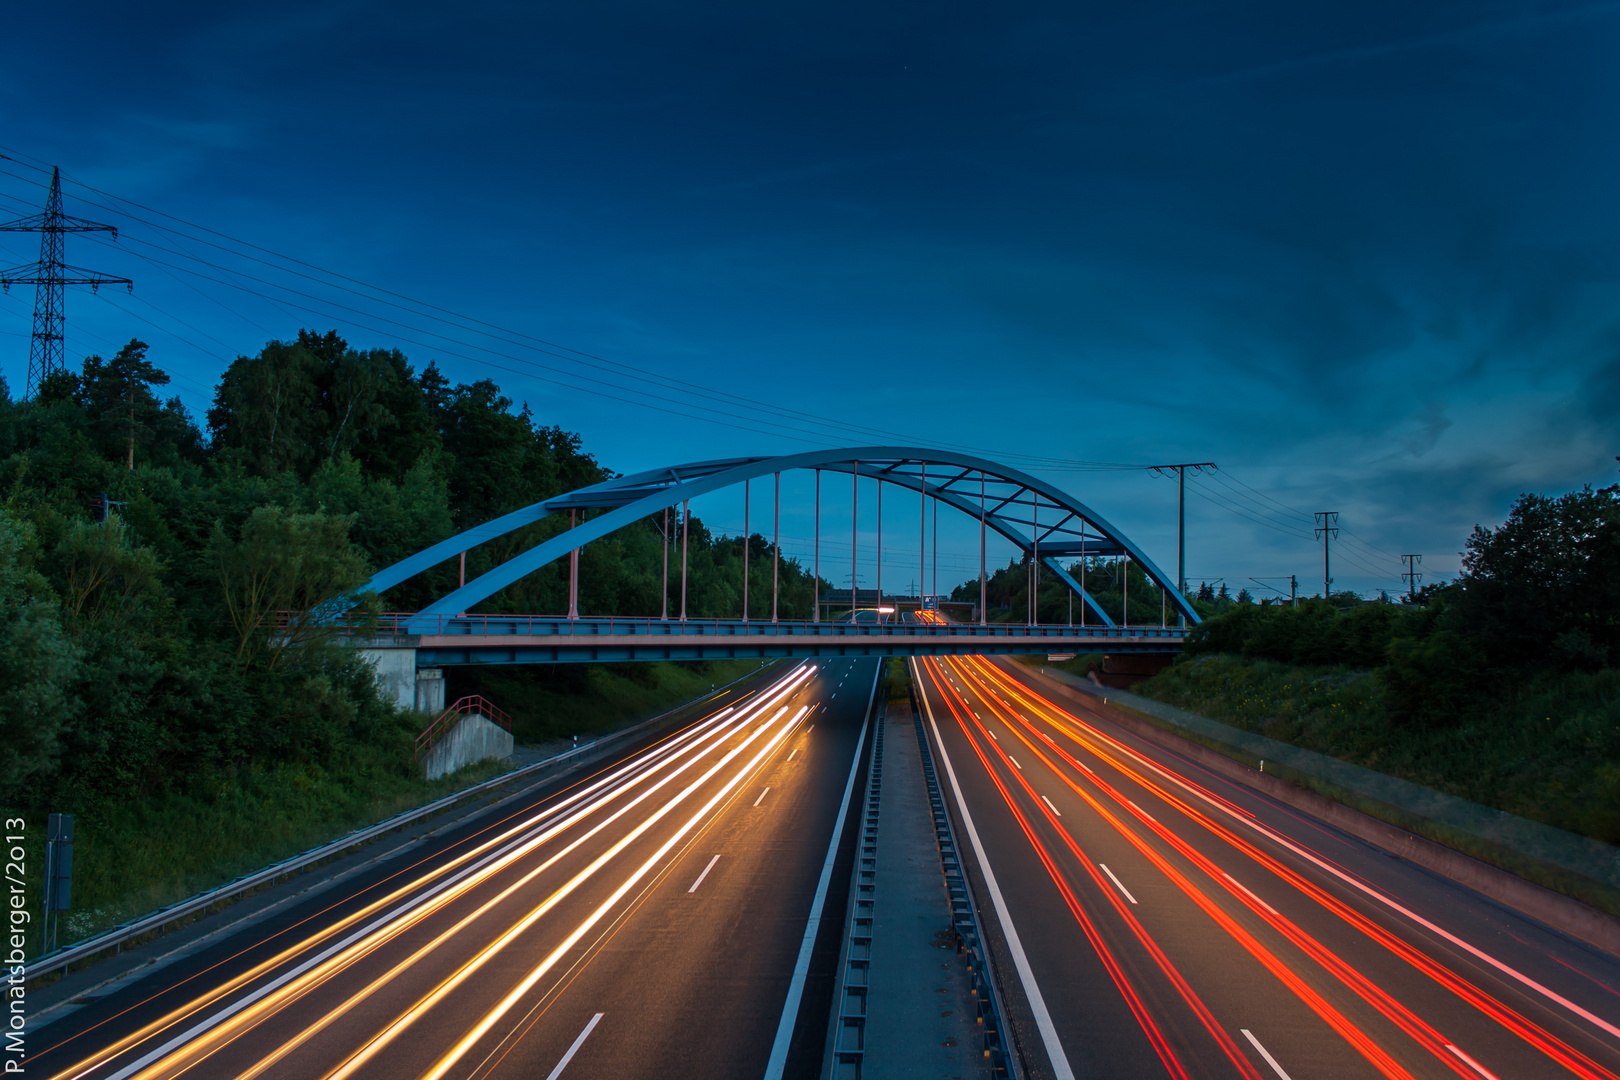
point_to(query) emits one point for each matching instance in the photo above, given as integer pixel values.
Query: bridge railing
(472, 703)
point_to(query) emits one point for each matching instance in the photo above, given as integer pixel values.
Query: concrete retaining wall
(474, 738)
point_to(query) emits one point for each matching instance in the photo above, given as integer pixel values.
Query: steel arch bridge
(1042, 521)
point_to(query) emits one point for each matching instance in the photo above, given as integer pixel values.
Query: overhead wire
(663, 382)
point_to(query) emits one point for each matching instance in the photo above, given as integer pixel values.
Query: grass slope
(1547, 748)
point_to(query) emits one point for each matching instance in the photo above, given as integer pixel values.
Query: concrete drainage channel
(965, 918)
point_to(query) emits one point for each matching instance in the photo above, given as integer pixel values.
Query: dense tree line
(142, 652)
(1539, 594)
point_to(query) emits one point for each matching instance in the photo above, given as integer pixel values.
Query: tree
(37, 666)
(276, 575)
(117, 396)
(267, 410)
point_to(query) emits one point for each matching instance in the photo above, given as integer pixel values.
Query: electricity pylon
(49, 276)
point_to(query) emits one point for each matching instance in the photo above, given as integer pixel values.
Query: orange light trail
(1548, 1044)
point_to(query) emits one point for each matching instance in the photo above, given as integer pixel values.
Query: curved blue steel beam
(631, 498)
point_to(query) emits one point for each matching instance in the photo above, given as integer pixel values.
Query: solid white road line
(1144, 813)
(1032, 992)
(572, 1050)
(761, 796)
(1048, 802)
(703, 875)
(1471, 1063)
(1251, 894)
(801, 969)
(1117, 883)
(1276, 1068)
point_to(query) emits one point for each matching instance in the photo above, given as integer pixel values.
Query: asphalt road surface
(650, 919)
(1154, 919)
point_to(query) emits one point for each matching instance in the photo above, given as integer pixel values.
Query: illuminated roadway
(649, 919)
(1167, 922)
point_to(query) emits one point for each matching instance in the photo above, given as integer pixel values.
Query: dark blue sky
(1368, 260)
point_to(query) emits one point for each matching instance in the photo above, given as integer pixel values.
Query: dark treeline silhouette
(139, 654)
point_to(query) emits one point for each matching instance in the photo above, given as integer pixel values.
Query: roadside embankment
(1569, 882)
(148, 851)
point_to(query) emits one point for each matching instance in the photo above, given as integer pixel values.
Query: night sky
(1366, 259)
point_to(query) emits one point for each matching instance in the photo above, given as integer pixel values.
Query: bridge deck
(505, 639)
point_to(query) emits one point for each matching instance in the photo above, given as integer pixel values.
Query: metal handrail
(448, 719)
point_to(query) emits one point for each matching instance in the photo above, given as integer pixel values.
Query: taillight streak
(1151, 1029)
(1376, 1055)
(1543, 1041)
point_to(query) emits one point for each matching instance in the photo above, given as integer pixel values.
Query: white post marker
(574, 1049)
(801, 969)
(1037, 1003)
(1276, 1068)
(703, 875)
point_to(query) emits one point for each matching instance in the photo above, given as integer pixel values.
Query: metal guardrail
(849, 1032)
(965, 917)
(114, 937)
(471, 704)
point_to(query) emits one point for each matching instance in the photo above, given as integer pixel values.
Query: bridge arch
(1014, 506)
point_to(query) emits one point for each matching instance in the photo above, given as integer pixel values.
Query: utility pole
(1412, 575)
(1181, 515)
(1327, 526)
(48, 276)
(1293, 590)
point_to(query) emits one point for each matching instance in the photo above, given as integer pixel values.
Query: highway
(652, 918)
(1150, 918)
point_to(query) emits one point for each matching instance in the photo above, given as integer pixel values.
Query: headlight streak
(1194, 1002)
(410, 913)
(399, 968)
(1392, 1010)
(643, 766)
(410, 1016)
(1499, 1013)
(642, 763)
(467, 1041)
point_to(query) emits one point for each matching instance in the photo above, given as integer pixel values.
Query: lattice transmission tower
(50, 275)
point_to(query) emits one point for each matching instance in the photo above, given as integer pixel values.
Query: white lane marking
(1471, 1063)
(1120, 885)
(761, 796)
(793, 755)
(1037, 1003)
(1144, 813)
(809, 729)
(993, 735)
(572, 1050)
(1048, 802)
(703, 875)
(1276, 1068)
(1252, 896)
(1014, 760)
(834, 694)
(801, 969)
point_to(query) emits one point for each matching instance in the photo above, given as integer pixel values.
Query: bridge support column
(393, 660)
